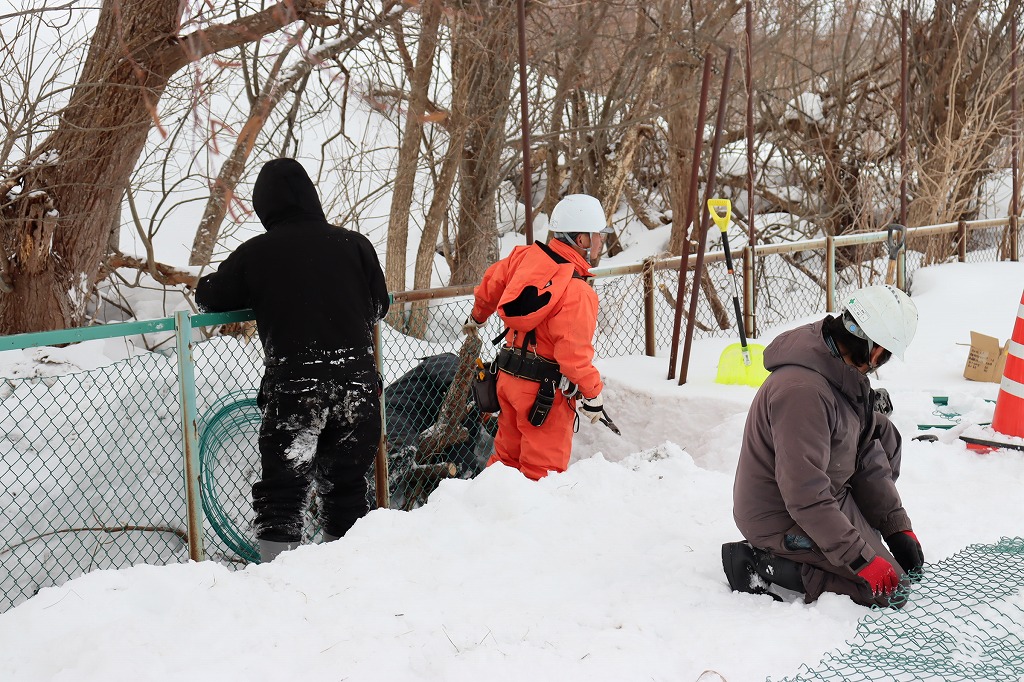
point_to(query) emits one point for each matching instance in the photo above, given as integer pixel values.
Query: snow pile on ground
(609, 571)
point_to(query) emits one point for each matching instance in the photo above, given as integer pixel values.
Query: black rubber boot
(779, 570)
(740, 562)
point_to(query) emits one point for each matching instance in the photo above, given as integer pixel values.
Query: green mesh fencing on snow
(963, 621)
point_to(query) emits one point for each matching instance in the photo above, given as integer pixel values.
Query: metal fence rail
(124, 464)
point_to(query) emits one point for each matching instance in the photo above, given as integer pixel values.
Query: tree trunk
(83, 168)
(681, 119)
(57, 228)
(483, 55)
(408, 158)
(428, 240)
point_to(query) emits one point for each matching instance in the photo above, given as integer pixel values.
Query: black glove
(880, 401)
(907, 550)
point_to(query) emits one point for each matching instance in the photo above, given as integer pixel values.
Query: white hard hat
(577, 213)
(883, 315)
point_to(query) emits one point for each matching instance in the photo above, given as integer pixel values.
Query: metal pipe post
(716, 146)
(904, 115)
(691, 209)
(381, 489)
(190, 440)
(748, 267)
(749, 319)
(1015, 141)
(650, 340)
(830, 273)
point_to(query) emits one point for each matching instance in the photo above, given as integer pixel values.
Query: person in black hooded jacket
(317, 291)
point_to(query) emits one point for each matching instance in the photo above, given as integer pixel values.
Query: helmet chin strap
(854, 328)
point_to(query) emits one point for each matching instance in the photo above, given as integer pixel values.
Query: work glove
(905, 546)
(880, 401)
(470, 326)
(881, 576)
(593, 408)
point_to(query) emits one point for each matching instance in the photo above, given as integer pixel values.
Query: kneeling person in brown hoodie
(815, 490)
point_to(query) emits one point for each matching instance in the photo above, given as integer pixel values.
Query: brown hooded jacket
(808, 447)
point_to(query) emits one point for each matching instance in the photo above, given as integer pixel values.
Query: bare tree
(960, 107)
(275, 87)
(419, 75)
(483, 59)
(56, 226)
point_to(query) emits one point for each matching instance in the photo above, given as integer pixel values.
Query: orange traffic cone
(1008, 418)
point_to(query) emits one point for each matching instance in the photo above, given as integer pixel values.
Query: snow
(609, 571)
(807, 106)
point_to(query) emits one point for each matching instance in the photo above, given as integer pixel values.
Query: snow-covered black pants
(321, 426)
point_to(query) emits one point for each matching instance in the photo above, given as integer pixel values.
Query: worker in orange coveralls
(546, 363)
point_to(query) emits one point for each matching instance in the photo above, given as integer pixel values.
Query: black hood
(283, 190)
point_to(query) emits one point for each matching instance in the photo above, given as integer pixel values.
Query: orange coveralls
(565, 336)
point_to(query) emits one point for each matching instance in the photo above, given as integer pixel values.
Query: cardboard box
(986, 360)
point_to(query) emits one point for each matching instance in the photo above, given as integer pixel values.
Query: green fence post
(190, 441)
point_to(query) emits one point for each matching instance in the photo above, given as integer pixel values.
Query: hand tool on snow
(607, 421)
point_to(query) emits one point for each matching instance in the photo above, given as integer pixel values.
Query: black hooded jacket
(313, 286)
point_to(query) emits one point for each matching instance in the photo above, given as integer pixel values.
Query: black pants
(319, 427)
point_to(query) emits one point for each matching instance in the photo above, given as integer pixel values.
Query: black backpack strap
(497, 339)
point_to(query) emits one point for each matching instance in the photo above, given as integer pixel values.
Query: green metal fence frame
(182, 325)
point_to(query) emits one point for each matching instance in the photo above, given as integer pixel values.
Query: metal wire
(963, 621)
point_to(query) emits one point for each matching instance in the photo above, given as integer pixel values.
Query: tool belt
(527, 365)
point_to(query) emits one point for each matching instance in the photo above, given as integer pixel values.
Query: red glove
(881, 576)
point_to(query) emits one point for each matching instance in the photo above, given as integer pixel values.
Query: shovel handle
(721, 212)
(891, 243)
(894, 245)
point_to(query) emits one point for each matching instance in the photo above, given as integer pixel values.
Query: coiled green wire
(228, 432)
(231, 416)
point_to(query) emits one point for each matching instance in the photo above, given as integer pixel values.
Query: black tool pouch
(485, 388)
(542, 405)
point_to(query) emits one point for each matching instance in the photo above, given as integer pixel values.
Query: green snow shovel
(739, 363)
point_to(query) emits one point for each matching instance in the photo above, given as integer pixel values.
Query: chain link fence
(946, 632)
(92, 474)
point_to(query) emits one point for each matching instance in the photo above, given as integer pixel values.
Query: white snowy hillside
(609, 571)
